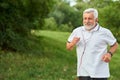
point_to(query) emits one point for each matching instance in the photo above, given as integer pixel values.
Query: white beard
(89, 27)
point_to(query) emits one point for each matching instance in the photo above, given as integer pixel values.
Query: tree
(65, 14)
(17, 18)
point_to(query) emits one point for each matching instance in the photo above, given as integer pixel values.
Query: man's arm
(113, 48)
(108, 55)
(70, 45)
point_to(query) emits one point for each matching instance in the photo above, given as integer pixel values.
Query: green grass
(115, 66)
(47, 59)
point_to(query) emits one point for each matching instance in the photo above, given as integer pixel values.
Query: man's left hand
(106, 57)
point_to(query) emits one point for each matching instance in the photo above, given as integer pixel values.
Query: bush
(50, 24)
(17, 18)
(65, 27)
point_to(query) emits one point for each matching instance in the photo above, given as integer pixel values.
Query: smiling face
(89, 21)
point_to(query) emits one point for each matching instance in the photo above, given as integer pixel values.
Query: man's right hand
(75, 40)
(70, 45)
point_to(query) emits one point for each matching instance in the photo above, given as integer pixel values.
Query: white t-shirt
(92, 45)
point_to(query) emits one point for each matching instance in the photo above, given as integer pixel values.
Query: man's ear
(96, 19)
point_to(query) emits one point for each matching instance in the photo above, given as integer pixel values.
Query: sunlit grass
(59, 36)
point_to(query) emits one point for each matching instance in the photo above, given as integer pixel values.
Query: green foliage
(17, 18)
(66, 27)
(12, 24)
(50, 24)
(64, 14)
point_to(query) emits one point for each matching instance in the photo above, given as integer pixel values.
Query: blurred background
(33, 34)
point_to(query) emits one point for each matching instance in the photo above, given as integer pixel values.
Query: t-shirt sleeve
(110, 38)
(72, 35)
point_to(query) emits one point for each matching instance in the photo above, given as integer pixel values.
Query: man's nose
(87, 20)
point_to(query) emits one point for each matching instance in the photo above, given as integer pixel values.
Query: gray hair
(95, 12)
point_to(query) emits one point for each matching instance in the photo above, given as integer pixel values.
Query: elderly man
(92, 41)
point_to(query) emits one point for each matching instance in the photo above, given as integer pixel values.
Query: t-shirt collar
(94, 29)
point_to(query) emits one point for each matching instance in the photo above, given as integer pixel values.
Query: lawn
(48, 59)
